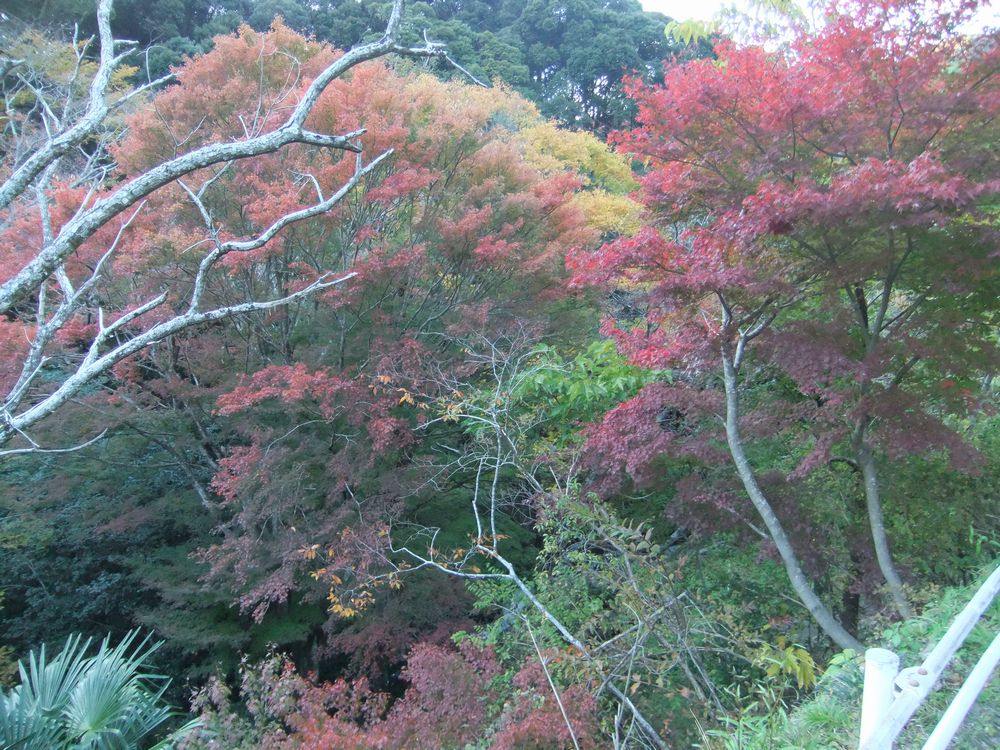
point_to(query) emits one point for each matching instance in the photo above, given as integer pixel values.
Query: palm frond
(108, 701)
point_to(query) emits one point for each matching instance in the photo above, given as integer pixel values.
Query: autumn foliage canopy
(843, 189)
(505, 438)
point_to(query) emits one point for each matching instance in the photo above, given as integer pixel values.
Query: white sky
(705, 10)
(682, 10)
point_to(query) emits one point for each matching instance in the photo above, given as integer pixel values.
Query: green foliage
(244, 718)
(201, 628)
(789, 660)
(947, 543)
(829, 718)
(558, 394)
(448, 513)
(102, 702)
(743, 586)
(568, 61)
(690, 30)
(641, 610)
(573, 390)
(690, 629)
(577, 54)
(98, 546)
(8, 665)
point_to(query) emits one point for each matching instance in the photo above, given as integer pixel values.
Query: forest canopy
(495, 375)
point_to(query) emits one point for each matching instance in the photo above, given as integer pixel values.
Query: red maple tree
(826, 212)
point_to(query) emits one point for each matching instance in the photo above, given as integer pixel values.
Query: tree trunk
(873, 501)
(823, 616)
(850, 603)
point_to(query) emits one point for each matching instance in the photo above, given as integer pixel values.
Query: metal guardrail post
(881, 668)
(915, 683)
(970, 690)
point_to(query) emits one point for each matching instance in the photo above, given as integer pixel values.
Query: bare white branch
(89, 221)
(36, 449)
(59, 298)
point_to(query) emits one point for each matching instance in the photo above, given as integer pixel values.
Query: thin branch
(850, 462)
(87, 222)
(97, 110)
(552, 684)
(36, 449)
(96, 364)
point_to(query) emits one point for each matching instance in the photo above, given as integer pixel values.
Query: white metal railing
(892, 696)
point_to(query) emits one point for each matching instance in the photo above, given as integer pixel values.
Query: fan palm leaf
(107, 701)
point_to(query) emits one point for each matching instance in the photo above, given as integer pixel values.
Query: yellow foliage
(790, 660)
(8, 666)
(607, 212)
(57, 62)
(340, 610)
(469, 108)
(553, 149)
(120, 78)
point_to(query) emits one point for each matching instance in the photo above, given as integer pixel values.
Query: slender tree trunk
(823, 616)
(873, 326)
(850, 608)
(873, 502)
